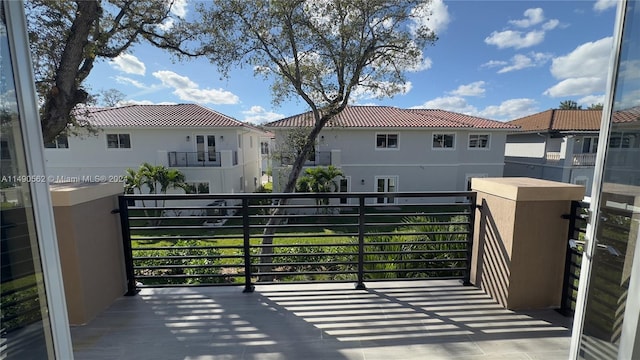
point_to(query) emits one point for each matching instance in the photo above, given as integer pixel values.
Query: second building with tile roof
(381, 148)
(558, 145)
(217, 153)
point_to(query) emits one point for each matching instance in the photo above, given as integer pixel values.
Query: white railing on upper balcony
(584, 159)
(552, 156)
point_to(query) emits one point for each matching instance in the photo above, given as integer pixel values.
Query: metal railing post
(248, 286)
(361, 229)
(126, 244)
(565, 302)
(466, 281)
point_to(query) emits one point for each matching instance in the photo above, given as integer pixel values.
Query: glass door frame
(41, 198)
(630, 323)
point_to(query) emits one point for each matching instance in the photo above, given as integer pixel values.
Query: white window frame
(593, 144)
(119, 148)
(386, 147)
(348, 180)
(396, 179)
(56, 143)
(206, 147)
(469, 147)
(453, 145)
(41, 198)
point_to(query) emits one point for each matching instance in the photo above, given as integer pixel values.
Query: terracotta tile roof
(561, 120)
(627, 116)
(391, 117)
(572, 120)
(171, 116)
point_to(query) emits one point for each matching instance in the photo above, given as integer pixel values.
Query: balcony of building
(557, 158)
(202, 158)
(457, 275)
(436, 320)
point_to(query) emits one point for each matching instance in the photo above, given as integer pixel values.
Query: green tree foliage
(597, 106)
(67, 38)
(318, 51)
(319, 179)
(153, 178)
(569, 105)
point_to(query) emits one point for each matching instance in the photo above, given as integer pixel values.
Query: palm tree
(319, 180)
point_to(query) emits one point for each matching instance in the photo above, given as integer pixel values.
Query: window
(196, 188)
(443, 141)
(60, 142)
(589, 145)
(386, 184)
(478, 141)
(118, 141)
(5, 153)
(206, 147)
(386, 141)
(343, 188)
(264, 148)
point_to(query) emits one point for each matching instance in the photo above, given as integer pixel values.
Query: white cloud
(188, 90)
(129, 64)
(494, 63)
(434, 15)
(514, 39)
(602, 5)
(259, 115)
(520, 61)
(179, 8)
(583, 71)
(629, 69)
(591, 99)
(510, 109)
(380, 90)
(424, 64)
(128, 81)
(550, 25)
(507, 110)
(171, 79)
(473, 89)
(629, 100)
(519, 39)
(144, 102)
(532, 17)
(576, 86)
(167, 24)
(450, 103)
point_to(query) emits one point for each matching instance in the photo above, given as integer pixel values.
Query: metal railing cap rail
(332, 195)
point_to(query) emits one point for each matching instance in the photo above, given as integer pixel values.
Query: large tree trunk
(276, 214)
(65, 94)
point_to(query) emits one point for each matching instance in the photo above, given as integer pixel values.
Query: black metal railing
(227, 239)
(578, 219)
(194, 159)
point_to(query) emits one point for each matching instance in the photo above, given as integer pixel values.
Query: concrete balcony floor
(433, 320)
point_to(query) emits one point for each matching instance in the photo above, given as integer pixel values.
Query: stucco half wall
(520, 239)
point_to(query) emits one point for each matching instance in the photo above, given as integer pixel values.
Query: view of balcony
(435, 320)
(345, 277)
(577, 159)
(194, 159)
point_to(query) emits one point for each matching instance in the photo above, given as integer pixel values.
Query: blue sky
(495, 59)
